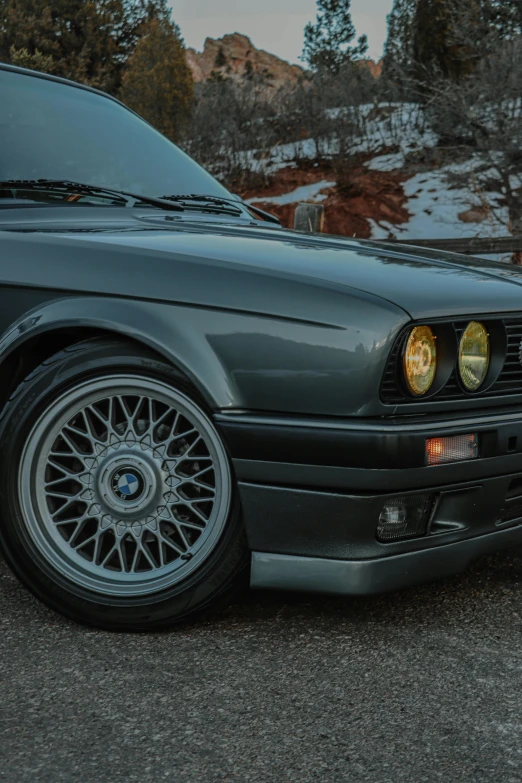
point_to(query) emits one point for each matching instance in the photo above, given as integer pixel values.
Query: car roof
(52, 78)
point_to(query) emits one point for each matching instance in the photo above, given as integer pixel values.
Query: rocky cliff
(235, 56)
(375, 68)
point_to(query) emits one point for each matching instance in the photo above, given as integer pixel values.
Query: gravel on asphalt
(423, 685)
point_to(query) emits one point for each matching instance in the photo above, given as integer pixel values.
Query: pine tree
(398, 51)
(84, 40)
(452, 36)
(249, 71)
(35, 61)
(505, 16)
(327, 42)
(434, 40)
(428, 38)
(157, 82)
(221, 58)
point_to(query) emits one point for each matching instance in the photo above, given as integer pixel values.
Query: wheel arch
(41, 333)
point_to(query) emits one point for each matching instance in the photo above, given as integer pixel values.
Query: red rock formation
(234, 56)
(375, 68)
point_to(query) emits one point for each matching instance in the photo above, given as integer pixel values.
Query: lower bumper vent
(511, 511)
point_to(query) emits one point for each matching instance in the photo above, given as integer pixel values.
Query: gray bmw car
(191, 394)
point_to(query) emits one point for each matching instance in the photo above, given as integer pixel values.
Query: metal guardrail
(310, 218)
(469, 247)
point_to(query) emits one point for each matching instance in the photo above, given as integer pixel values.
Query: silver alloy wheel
(125, 486)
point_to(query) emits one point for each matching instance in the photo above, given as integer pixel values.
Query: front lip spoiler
(380, 575)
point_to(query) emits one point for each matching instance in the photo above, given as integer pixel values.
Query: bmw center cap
(127, 484)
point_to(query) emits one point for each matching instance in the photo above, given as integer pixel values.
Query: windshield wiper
(223, 205)
(74, 191)
(209, 203)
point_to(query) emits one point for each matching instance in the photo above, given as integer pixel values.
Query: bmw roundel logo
(127, 484)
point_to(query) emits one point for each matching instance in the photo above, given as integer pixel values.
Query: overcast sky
(274, 25)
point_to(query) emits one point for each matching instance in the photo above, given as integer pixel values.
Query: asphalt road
(425, 685)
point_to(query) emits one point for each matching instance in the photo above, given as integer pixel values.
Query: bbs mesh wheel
(120, 493)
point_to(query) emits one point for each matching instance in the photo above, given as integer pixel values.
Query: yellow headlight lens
(420, 360)
(474, 355)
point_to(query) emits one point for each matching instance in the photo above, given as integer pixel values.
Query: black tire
(212, 582)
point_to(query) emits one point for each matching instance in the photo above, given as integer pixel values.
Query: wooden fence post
(309, 218)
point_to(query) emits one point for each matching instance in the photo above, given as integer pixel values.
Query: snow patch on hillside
(435, 206)
(387, 162)
(305, 193)
(383, 126)
(395, 125)
(444, 203)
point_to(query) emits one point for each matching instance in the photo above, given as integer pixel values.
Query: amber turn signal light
(456, 448)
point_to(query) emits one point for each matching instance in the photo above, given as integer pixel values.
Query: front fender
(242, 360)
(152, 324)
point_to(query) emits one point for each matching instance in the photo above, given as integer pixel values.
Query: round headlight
(420, 360)
(474, 354)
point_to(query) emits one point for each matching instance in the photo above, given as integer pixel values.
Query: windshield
(50, 130)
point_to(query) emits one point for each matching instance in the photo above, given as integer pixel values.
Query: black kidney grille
(508, 382)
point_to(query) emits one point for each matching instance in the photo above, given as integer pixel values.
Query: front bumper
(367, 577)
(312, 498)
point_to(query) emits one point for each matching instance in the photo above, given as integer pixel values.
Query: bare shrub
(474, 108)
(231, 132)
(330, 110)
(484, 112)
(239, 127)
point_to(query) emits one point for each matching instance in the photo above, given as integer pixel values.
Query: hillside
(400, 184)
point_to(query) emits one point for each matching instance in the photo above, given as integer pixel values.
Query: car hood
(425, 284)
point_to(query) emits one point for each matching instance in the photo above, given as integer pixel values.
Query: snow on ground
(387, 162)
(395, 125)
(384, 125)
(304, 193)
(436, 198)
(435, 209)
(283, 155)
